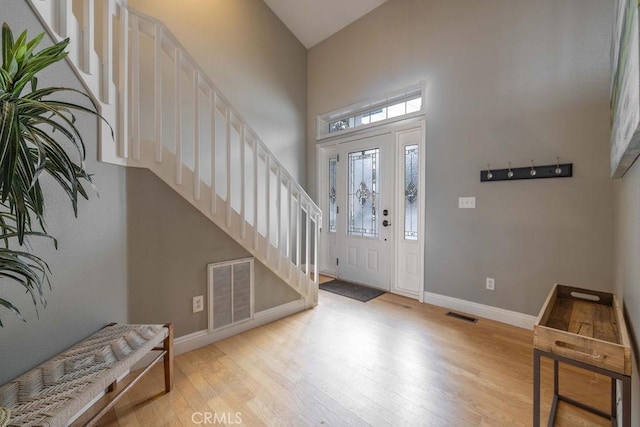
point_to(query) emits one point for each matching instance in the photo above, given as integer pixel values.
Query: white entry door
(364, 232)
(373, 204)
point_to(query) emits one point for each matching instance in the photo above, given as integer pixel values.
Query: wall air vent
(230, 292)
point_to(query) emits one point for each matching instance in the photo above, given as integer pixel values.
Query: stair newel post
(316, 274)
(196, 134)
(106, 58)
(267, 201)
(307, 235)
(243, 216)
(256, 147)
(178, 114)
(228, 118)
(157, 89)
(298, 235)
(88, 37)
(288, 230)
(279, 214)
(214, 195)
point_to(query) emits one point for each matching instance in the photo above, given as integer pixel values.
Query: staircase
(176, 123)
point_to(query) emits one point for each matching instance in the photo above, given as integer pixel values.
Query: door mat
(351, 290)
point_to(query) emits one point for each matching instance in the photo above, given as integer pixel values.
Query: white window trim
(323, 120)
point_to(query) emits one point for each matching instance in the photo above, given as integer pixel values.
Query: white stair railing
(169, 117)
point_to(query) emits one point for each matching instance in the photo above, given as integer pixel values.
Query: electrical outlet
(491, 284)
(466, 202)
(198, 304)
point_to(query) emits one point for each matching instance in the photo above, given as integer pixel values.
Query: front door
(373, 204)
(364, 235)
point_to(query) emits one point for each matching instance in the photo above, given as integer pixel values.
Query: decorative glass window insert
(411, 178)
(395, 106)
(332, 194)
(363, 192)
(396, 109)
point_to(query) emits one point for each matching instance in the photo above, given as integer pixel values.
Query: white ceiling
(312, 21)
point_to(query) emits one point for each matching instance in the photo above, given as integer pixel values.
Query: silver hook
(489, 174)
(558, 168)
(510, 173)
(533, 170)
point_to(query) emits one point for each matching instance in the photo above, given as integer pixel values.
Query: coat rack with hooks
(564, 170)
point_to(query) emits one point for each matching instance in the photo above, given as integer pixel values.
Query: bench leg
(168, 359)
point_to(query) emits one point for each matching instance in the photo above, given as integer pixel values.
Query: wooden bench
(61, 389)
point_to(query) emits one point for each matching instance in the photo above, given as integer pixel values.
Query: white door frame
(328, 146)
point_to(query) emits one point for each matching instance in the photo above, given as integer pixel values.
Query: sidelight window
(411, 182)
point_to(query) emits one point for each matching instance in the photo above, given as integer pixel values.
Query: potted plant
(38, 134)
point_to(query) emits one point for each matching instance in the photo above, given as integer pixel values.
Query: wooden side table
(586, 329)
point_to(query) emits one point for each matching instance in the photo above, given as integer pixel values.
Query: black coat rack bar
(564, 170)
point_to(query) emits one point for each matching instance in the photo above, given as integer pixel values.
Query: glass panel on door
(332, 194)
(362, 193)
(411, 180)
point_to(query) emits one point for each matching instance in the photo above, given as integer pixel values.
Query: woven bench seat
(55, 392)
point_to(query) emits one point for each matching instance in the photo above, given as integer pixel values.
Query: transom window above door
(396, 106)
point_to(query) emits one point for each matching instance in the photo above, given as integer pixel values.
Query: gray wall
(253, 59)
(505, 81)
(89, 270)
(170, 245)
(627, 264)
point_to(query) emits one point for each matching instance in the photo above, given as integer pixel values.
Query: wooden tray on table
(584, 325)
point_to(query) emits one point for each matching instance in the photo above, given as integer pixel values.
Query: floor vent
(462, 317)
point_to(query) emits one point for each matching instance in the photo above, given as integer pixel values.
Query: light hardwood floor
(389, 362)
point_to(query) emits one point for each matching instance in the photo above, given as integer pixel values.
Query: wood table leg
(168, 359)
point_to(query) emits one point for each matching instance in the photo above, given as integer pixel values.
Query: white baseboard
(195, 340)
(488, 312)
(199, 339)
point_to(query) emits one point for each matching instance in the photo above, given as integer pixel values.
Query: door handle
(386, 223)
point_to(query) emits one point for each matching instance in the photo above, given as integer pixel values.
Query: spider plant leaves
(30, 122)
(7, 46)
(23, 268)
(38, 135)
(19, 61)
(12, 308)
(8, 152)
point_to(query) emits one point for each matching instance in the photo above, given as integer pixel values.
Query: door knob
(386, 223)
